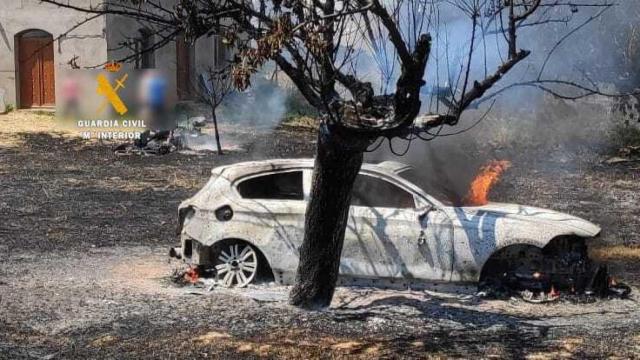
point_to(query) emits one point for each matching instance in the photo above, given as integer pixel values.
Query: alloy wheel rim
(238, 265)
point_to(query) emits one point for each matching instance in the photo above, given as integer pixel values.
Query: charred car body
(248, 221)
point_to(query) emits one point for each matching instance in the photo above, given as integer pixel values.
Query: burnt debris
(162, 142)
(151, 142)
(560, 271)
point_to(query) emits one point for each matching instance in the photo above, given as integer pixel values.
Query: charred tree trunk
(338, 161)
(215, 129)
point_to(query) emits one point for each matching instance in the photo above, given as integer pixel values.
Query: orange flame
(192, 275)
(481, 185)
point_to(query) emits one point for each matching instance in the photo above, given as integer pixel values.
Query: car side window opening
(279, 186)
(373, 192)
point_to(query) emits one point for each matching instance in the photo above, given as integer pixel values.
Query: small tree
(214, 86)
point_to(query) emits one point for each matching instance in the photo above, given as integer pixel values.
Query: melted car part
(562, 268)
(183, 214)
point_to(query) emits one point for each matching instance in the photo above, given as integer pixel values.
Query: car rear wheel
(236, 265)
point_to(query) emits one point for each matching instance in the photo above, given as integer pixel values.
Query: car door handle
(422, 238)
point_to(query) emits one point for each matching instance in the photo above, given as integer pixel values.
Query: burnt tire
(514, 268)
(563, 264)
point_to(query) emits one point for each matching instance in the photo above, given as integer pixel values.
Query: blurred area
(108, 99)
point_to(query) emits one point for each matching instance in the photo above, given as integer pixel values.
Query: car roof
(241, 169)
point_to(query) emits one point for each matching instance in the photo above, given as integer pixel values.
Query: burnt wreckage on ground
(162, 141)
(247, 223)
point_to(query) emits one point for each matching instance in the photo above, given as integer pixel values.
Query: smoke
(262, 105)
(523, 120)
(259, 109)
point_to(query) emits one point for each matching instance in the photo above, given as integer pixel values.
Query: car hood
(574, 224)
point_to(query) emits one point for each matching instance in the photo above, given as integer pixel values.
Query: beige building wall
(87, 42)
(205, 53)
(92, 44)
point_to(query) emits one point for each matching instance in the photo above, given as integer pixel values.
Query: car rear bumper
(192, 252)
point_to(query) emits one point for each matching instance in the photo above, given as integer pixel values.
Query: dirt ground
(84, 271)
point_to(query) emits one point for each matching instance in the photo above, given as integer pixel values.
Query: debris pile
(150, 143)
(196, 276)
(162, 142)
(539, 288)
(560, 270)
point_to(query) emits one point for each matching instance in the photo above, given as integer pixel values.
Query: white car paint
(430, 242)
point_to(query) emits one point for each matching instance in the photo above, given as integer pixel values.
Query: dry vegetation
(17, 122)
(616, 253)
(83, 265)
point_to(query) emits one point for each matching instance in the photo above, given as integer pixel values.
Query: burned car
(248, 222)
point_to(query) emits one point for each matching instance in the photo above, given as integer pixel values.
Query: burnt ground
(84, 273)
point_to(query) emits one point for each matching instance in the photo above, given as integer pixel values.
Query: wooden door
(37, 72)
(48, 74)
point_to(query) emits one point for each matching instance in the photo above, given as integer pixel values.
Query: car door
(274, 203)
(396, 233)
